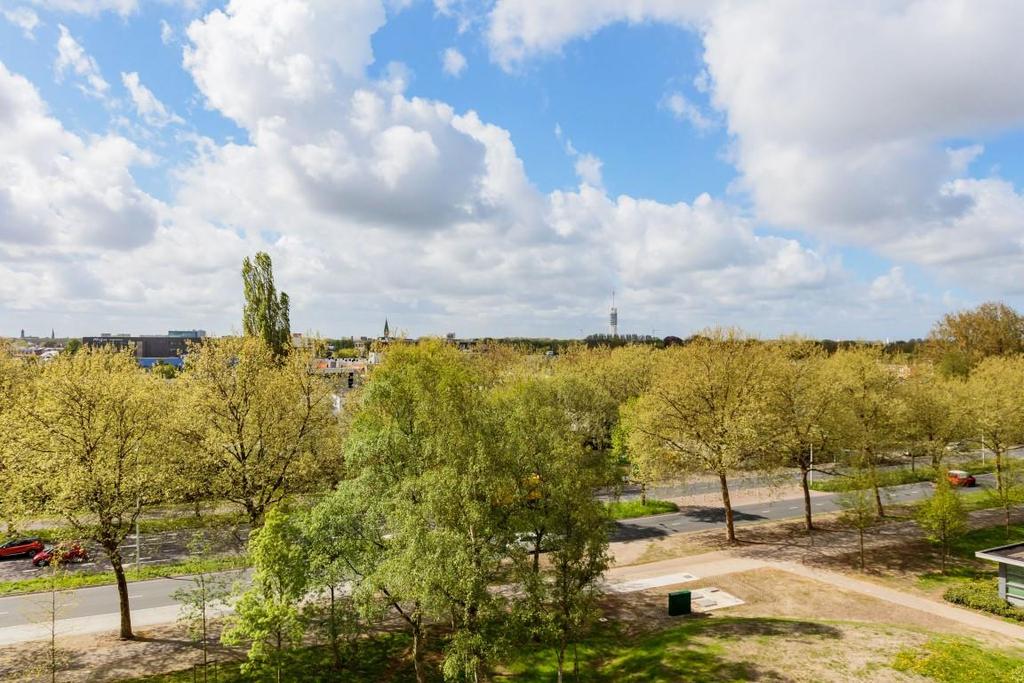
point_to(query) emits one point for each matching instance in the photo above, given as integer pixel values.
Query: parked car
(961, 478)
(21, 546)
(61, 554)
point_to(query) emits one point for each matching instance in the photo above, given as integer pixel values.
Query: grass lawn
(903, 475)
(953, 660)
(627, 509)
(82, 579)
(712, 650)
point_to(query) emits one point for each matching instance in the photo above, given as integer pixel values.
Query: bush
(983, 595)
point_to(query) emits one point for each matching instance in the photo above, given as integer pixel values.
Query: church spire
(387, 330)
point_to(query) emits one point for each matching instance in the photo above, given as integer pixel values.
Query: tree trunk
(808, 522)
(730, 529)
(417, 665)
(643, 493)
(861, 531)
(335, 650)
(122, 594)
(536, 553)
(943, 556)
(561, 659)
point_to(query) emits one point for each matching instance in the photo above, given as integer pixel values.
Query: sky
(818, 167)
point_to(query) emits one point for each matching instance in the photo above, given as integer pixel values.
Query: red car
(961, 478)
(63, 553)
(21, 546)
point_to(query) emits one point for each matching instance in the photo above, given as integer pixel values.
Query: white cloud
(841, 113)
(91, 7)
(147, 106)
(890, 287)
(24, 18)
(684, 110)
(58, 190)
(588, 169)
(166, 32)
(72, 57)
(454, 62)
(519, 29)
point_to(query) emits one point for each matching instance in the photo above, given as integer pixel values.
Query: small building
(1011, 571)
(151, 349)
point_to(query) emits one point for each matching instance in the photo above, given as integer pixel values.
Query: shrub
(626, 509)
(983, 595)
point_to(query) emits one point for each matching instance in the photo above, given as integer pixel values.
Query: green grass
(986, 537)
(627, 509)
(903, 475)
(83, 579)
(954, 660)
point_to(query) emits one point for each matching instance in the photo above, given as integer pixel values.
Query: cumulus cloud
(24, 18)
(166, 32)
(841, 113)
(453, 62)
(72, 57)
(147, 106)
(59, 190)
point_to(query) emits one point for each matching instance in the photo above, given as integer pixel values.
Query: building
(1011, 571)
(151, 349)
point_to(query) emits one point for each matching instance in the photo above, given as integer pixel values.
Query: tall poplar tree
(266, 312)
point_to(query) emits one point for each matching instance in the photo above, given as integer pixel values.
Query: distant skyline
(497, 168)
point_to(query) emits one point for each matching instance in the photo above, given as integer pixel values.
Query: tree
(804, 400)
(932, 416)
(996, 415)
(867, 412)
(209, 590)
(961, 340)
(264, 427)
(268, 615)
(942, 517)
(266, 312)
(16, 376)
(708, 410)
(72, 346)
(858, 511)
(90, 447)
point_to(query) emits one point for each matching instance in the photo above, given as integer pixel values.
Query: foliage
(959, 660)
(961, 340)
(858, 511)
(628, 509)
(942, 517)
(268, 615)
(88, 445)
(199, 602)
(253, 428)
(708, 410)
(867, 419)
(266, 314)
(983, 595)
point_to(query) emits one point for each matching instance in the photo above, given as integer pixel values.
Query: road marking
(793, 507)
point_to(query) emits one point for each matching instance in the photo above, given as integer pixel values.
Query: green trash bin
(678, 603)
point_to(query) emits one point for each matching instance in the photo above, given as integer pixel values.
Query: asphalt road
(697, 518)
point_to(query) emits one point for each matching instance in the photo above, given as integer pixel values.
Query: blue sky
(714, 164)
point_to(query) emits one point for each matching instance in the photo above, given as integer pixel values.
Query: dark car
(61, 554)
(21, 546)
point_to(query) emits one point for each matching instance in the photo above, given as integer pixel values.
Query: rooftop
(1006, 554)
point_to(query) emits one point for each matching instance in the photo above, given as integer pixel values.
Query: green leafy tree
(932, 414)
(266, 312)
(90, 450)
(858, 511)
(803, 398)
(961, 340)
(263, 428)
(996, 415)
(201, 601)
(268, 615)
(867, 418)
(709, 410)
(72, 346)
(942, 517)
